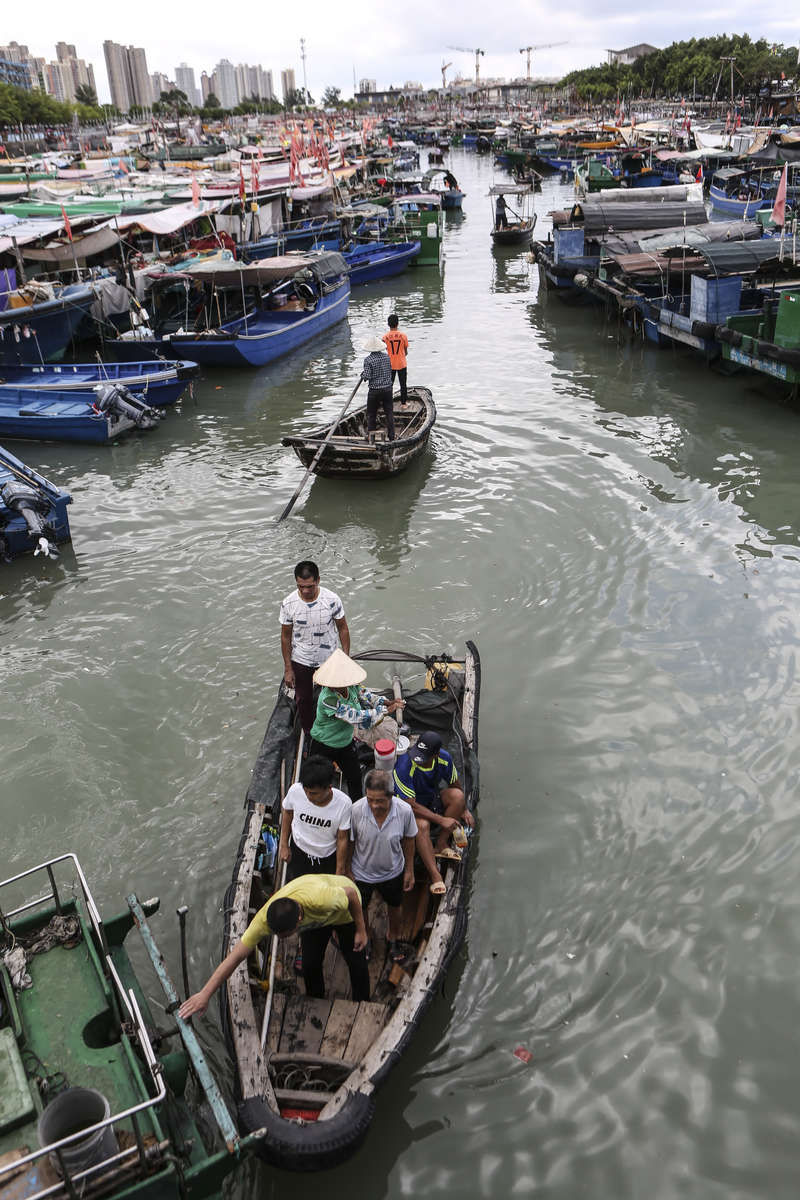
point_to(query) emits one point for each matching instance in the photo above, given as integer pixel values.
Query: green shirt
(327, 728)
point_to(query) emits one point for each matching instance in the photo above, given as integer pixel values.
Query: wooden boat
(307, 1069)
(349, 455)
(520, 232)
(95, 1101)
(33, 511)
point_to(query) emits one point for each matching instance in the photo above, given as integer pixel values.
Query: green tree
(331, 97)
(84, 94)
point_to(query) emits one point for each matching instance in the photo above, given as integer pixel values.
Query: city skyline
(420, 43)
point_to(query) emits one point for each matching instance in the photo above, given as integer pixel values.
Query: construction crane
(477, 53)
(544, 46)
(444, 72)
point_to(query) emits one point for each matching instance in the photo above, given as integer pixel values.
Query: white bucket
(385, 755)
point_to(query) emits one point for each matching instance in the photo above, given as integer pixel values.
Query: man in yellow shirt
(313, 905)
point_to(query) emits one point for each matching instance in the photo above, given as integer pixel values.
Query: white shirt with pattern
(314, 632)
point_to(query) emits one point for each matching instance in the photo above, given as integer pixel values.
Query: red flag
(242, 191)
(699, 176)
(123, 166)
(779, 207)
(254, 175)
(195, 192)
(389, 141)
(68, 227)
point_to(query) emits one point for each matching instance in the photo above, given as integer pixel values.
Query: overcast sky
(388, 42)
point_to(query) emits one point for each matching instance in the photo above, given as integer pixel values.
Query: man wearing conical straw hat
(345, 709)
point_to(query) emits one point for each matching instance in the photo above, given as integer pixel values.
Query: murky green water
(618, 530)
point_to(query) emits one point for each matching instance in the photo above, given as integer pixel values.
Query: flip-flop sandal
(438, 889)
(448, 852)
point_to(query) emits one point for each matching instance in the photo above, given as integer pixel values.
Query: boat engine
(26, 501)
(117, 400)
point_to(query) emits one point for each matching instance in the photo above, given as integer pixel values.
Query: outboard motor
(27, 502)
(117, 400)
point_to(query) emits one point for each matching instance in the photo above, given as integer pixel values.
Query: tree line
(688, 68)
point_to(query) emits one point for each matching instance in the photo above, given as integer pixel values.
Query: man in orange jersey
(397, 349)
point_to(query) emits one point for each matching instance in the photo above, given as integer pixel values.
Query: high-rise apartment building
(128, 77)
(287, 83)
(225, 84)
(205, 86)
(184, 80)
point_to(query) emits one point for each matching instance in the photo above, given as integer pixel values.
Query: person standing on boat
(426, 777)
(312, 905)
(383, 835)
(315, 823)
(377, 372)
(343, 708)
(312, 624)
(397, 347)
(500, 218)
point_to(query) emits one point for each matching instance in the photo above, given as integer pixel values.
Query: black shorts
(390, 889)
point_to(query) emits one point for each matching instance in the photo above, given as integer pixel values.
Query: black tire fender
(312, 1146)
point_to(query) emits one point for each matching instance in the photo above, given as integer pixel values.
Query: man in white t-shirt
(313, 624)
(315, 823)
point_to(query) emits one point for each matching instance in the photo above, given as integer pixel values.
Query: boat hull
(15, 537)
(267, 336)
(57, 417)
(381, 261)
(159, 383)
(41, 332)
(345, 458)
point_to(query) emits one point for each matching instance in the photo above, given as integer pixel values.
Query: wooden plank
(304, 1023)
(415, 910)
(276, 1020)
(337, 1031)
(367, 1026)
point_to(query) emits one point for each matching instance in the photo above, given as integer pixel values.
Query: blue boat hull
(379, 260)
(56, 417)
(268, 335)
(720, 202)
(159, 383)
(42, 332)
(15, 538)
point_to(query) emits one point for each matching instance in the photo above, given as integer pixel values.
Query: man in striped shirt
(378, 374)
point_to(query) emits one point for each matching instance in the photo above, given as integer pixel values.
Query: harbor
(612, 521)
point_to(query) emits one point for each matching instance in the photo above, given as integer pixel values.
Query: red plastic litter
(300, 1114)
(522, 1054)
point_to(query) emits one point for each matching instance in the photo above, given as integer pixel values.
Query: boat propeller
(117, 400)
(32, 507)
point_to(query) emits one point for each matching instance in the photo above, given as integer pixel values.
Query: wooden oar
(317, 456)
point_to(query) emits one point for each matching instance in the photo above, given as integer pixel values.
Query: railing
(130, 1009)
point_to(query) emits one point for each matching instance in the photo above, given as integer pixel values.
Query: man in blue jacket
(426, 777)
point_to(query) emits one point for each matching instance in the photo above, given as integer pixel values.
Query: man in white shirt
(315, 823)
(313, 624)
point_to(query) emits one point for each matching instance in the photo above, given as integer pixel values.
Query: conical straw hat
(339, 671)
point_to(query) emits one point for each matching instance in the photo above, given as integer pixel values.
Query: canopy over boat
(326, 265)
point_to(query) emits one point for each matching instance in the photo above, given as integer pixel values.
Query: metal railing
(132, 1014)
